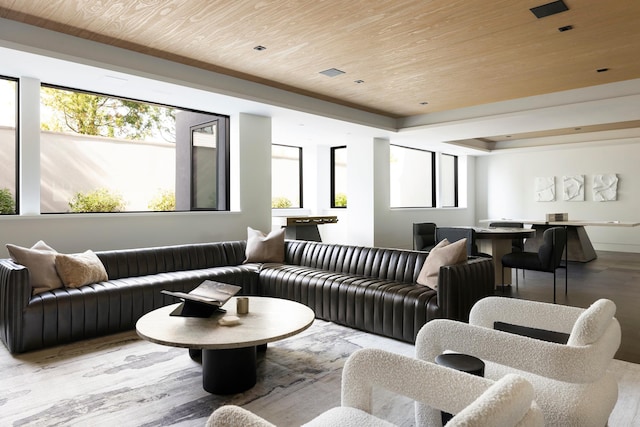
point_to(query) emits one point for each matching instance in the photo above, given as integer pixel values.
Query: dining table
(497, 242)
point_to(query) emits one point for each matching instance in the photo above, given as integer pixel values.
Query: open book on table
(211, 293)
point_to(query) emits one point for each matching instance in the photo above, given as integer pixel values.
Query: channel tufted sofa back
(145, 261)
(387, 264)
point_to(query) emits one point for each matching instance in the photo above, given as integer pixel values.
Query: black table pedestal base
(229, 371)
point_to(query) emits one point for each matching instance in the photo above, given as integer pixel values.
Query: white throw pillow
(444, 253)
(265, 248)
(40, 260)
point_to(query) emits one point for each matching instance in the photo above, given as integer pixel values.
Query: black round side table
(460, 362)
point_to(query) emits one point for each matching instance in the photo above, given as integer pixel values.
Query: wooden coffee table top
(268, 320)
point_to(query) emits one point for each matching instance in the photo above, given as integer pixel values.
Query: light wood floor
(613, 275)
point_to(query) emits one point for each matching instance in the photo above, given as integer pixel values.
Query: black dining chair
(453, 234)
(424, 236)
(547, 259)
(517, 245)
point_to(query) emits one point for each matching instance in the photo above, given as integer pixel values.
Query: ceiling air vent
(332, 72)
(549, 9)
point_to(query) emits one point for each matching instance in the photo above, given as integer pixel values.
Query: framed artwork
(545, 189)
(573, 188)
(605, 187)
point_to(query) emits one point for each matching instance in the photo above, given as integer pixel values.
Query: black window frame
(333, 177)
(16, 161)
(433, 178)
(224, 186)
(455, 180)
(300, 175)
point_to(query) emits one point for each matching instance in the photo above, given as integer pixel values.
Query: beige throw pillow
(444, 253)
(265, 248)
(77, 270)
(40, 260)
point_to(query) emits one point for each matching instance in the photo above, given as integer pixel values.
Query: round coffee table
(228, 352)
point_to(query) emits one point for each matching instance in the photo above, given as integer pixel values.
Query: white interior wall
(505, 188)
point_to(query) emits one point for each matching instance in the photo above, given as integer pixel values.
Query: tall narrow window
(412, 178)
(449, 180)
(204, 166)
(8, 143)
(286, 176)
(101, 153)
(339, 177)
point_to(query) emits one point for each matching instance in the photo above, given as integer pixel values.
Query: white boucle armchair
(571, 382)
(475, 401)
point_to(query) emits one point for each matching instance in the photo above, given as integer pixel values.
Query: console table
(304, 227)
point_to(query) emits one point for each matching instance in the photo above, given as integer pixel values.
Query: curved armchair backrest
(550, 252)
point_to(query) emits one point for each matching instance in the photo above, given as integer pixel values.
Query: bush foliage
(100, 200)
(280, 202)
(164, 201)
(7, 202)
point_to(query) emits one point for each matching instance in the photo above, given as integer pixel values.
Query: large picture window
(101, 153)
(286, 176)
(338, 177)
(8, 144)
(412, 178)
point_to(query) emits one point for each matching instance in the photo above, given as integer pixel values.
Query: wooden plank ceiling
(447, 53)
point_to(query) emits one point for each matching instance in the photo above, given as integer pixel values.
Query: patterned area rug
(121, 380)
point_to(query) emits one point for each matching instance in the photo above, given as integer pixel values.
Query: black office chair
(453, 234)
(517, 245)
(547, 259)
(424, 236)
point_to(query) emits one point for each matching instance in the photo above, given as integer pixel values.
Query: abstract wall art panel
(545, 189)
(573, 188)
(605, 187)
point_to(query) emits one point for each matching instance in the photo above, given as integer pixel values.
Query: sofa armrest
(460, 286)
(15, 293)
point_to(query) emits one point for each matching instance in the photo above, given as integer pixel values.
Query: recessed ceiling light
(332, 72)
(259, 47)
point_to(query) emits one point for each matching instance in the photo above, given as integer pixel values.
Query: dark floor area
(613, 275)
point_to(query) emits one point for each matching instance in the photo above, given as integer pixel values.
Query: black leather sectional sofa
(371, 289)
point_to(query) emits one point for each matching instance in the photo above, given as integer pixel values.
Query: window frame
(455, 180)
(433, 179)
(223, 155)
(300, 175)
(16, 145)
(333, 177)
